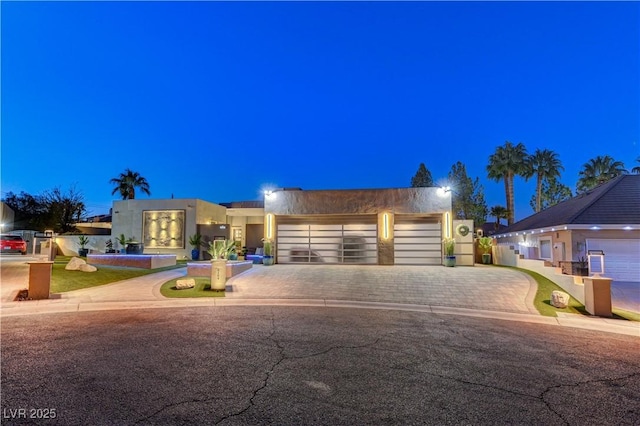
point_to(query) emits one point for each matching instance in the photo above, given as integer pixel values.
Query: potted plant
(267, 258)
(583, 267)
(485, 244)
(449, 249)
(83, 240)
(196, 242)
(219, 251)
(109, 246)
(122, 240)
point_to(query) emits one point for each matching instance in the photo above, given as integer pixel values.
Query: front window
(545, 248)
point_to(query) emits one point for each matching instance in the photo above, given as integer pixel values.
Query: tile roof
(616, 202)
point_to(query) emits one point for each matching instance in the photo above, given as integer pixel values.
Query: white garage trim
(621, 257)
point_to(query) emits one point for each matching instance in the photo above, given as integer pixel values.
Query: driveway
(479, 287)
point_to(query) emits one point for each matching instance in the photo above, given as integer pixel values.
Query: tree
(552, 193)
(127, 182)
(65, 210)
(422, 177)
(544, 164)
(597, 171)
(468, 196)
(52, 210)
(29, 210)
(499, 212)
(636, 169)
(505, 163)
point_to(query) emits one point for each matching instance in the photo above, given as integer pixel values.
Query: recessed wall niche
(163, 228)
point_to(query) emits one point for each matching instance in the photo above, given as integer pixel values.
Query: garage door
(327, 243)
(620, 258)
(417, 243)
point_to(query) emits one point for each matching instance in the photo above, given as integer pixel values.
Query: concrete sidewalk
(480, 291)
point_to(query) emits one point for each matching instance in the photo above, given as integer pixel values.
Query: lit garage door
(417, 243)
(327, 243)
(620, 258)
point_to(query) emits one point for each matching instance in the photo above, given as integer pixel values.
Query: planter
(195, 254)
(83, 252)
(218, 275)
(486, 258)
(233, 256)
(135, 248)
(123, 251)
(450, 261)
(268, 260)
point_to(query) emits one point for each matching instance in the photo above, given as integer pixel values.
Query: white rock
(186, 283)
(559, 299)
(87, 268)
(74, 264)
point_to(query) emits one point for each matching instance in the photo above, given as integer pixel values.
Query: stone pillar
(597, 296)
(385, 245)
(39, 279)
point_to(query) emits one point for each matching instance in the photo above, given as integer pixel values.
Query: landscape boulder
(185, 283)
(559, 299)
(87, 268)
(74, 264)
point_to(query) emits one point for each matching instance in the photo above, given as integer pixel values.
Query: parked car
(13, 243)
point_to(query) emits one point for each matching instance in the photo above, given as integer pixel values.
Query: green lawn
(542, 301)
(63, 280)
(202, 289)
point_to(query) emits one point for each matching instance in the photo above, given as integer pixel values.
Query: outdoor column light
(269, 226)
(447, 225)
(385, 226)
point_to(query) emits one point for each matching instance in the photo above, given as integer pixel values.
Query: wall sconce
(447, 225)
(385, 226)
(269, 226)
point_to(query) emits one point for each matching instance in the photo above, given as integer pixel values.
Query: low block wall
(505, 255)
(146, 261)
(203, 269)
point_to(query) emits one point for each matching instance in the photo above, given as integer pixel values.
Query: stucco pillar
(385, 238)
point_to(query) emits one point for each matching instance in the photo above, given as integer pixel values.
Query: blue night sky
(215, 100)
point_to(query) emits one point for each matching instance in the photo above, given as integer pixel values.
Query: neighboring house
(605, 218)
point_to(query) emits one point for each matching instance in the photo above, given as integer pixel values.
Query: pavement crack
(268, 373)
(586, 382)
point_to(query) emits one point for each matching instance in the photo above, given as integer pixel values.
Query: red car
(12, 243)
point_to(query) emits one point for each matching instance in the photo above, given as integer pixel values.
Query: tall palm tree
(499, 212)
(597, 171)
(545, 164)
(636, 169)
(127, 182)
(508, 161)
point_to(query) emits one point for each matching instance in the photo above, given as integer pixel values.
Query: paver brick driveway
(478, 287)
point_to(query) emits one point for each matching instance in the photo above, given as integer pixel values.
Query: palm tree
(636, 169)
(508, 161)
(597, 171)
(499, 212)
(127, 182)
(545, 165)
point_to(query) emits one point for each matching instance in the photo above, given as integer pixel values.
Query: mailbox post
(39, 279)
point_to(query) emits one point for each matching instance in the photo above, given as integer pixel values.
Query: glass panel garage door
(331, 243)
(417, 244)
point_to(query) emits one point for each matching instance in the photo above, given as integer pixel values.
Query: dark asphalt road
(293, 366)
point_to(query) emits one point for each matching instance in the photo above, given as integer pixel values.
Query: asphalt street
(253, 365)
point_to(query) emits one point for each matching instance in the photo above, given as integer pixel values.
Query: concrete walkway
(480, 291)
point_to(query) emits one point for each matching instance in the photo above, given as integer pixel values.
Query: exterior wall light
(447, 224)
(269, 226)
(385, 226)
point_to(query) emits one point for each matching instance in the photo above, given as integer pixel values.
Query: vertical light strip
(385, 226)
(269, 226)
(447, 225)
